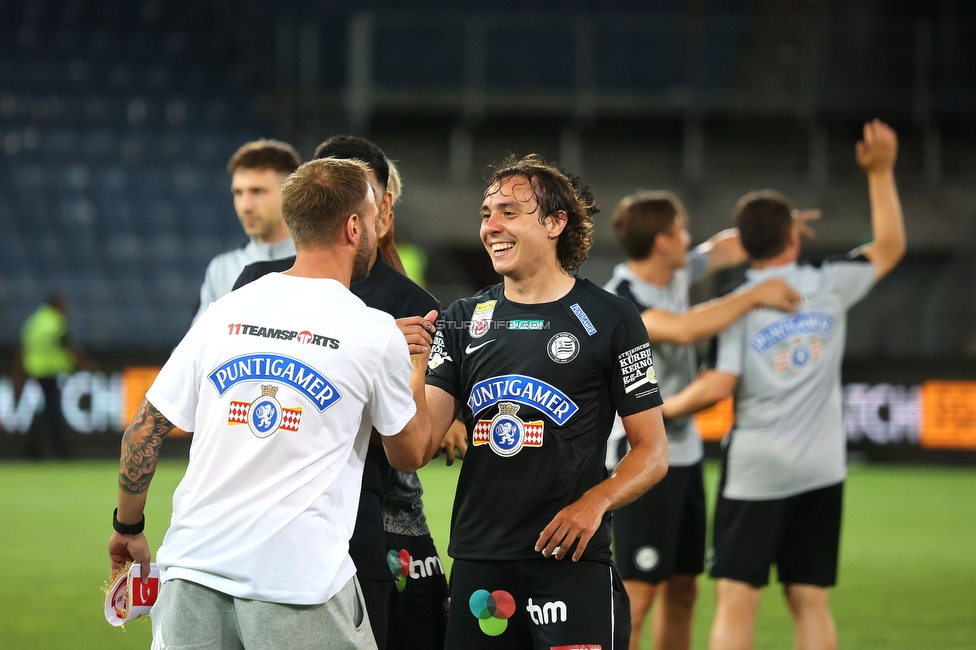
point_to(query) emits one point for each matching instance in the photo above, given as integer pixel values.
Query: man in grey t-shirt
(660, 538)
(257, 170)
(782, 485)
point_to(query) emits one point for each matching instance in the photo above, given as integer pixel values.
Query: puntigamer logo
(308, 381)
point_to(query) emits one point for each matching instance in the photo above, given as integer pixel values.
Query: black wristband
(127, 529)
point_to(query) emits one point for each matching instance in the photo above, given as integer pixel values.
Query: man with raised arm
(659, 539)
(281, 402)
(782, 483)
(537, 366)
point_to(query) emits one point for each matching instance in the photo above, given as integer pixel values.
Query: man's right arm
(876, 155)
(708, 319)
(407, 450)
(137, 465)
(710, 387)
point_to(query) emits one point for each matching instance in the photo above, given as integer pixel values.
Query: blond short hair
(320, 195)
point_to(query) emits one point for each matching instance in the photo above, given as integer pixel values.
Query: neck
(329, 263)
(544, 286)
(786, 257)
(279, 235)
(652, 270)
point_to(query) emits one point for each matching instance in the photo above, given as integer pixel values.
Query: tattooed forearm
(140, 448)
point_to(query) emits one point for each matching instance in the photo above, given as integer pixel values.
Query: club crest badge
(481, 319)
(506, 433)
(264, 415)
(563, 347)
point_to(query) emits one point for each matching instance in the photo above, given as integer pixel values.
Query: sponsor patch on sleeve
(438, 352)
(637, 368)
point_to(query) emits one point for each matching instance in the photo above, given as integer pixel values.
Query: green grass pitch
(907, 577)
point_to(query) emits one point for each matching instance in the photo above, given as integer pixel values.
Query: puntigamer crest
(506, 433)
(264, 415)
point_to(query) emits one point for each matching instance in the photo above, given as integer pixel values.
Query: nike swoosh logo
(469, 349)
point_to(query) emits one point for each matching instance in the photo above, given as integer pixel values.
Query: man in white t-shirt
(280, 382)
(781, 491)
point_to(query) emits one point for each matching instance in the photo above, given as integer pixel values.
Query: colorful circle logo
(492, 610)
(399, 563)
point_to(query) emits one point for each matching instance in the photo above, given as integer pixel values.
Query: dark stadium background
(117, 119)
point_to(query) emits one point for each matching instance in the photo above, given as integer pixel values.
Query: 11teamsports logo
(264, 415)
(507, 433)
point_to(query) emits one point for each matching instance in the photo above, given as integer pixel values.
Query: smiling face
(519, 245)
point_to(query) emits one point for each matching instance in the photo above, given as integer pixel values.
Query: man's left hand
(577, 521)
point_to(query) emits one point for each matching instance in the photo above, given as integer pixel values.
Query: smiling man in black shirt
(537, 366)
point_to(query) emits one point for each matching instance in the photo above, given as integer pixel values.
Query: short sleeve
(391, 402)
(697, 264)
(445, 353)
(851, 277)
(633, 382)
(731, 348)
(176, 390)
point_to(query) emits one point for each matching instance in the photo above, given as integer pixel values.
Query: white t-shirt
(280, 382)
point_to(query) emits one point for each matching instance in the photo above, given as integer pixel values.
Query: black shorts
(418, 604)
(663, 532)
(799, 534)
(538, 604)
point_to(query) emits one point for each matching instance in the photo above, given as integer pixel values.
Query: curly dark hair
(555, 190)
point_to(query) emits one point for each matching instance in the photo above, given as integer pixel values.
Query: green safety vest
(43, 341)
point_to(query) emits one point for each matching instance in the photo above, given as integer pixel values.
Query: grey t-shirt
(675, 365)
(788, 436)
(223, 270)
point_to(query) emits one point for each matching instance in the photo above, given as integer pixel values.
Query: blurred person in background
(781, 490)
(660, 538)
(47, 351)
(407, 607)
(257, 170)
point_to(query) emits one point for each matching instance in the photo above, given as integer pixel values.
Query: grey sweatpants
(188, 616)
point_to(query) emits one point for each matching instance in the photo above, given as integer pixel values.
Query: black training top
(539, 385)
(387, 290)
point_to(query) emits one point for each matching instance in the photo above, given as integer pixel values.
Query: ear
(656, 239)
(385, 219)
(556, 223)
(353, 229)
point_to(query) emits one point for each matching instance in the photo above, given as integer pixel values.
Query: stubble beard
(360, 265)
